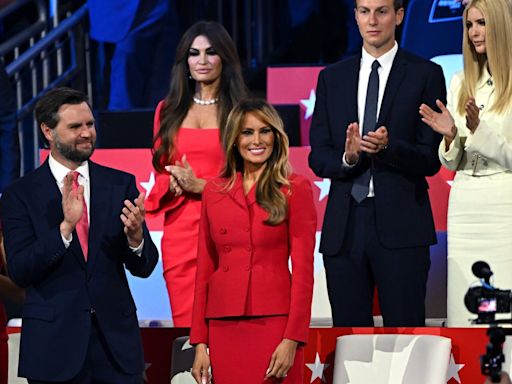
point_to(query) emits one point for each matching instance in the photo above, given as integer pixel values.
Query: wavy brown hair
(498, 41)
(179, 99)
(275, 175)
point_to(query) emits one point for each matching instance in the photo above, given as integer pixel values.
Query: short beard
(72, 154)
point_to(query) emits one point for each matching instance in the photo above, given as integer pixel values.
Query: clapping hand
(72, 205)
(183, 178)
(132, 216)
(375, 141)
(442, 123)
(352, 143)
(472, 115)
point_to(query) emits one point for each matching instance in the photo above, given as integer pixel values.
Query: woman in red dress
(206, 82)
(251, 315)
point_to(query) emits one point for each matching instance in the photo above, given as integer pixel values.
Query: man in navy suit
(367, 137)
(71, 227)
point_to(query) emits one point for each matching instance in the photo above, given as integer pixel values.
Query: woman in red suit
(249, 310)
(206, 82)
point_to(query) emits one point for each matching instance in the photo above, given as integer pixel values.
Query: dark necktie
(82, 227)
(361, 185)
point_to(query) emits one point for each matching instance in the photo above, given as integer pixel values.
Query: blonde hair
(275, 175)
(498, 41)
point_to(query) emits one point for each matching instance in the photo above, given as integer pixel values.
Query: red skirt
(241, 349)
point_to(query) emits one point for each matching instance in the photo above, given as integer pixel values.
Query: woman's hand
(472, 115)
(201, 366)
(185, 177)
(442, 123)
(173, 184)
(282, 359)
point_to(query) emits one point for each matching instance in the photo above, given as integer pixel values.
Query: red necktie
(82, 227)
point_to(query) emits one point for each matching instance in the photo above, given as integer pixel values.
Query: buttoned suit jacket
(61, 288)
(242, 266)
(402, 206)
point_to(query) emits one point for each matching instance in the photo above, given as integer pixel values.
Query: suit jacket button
(225, 268)
(249, 249)
(246, 229)
(223, 231)
(227, 248)
(247, 267)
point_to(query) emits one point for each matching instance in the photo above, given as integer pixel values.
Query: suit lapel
(397, 74)
(100, 211)
(237, 192)
(352, 85)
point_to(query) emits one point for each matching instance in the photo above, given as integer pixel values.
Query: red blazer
(242, 265)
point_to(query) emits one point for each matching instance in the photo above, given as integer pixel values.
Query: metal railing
(39, 58)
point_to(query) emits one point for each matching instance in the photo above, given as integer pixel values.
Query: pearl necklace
(205, 102)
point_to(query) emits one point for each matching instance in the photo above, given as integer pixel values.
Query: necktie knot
(375, 65)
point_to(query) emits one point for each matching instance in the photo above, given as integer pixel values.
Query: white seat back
(391, 359)
(14, 352)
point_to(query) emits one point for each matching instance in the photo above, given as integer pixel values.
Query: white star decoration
(318, 369)
(148, 185)
(324, 186)
(453, 370)
(309, 104)
(144, 375)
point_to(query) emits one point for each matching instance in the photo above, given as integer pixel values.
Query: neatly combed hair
(397, 4)
(275, 175)
(47, 108)
(179, 99)
(498, 41)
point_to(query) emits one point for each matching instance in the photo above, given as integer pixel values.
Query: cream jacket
(489, 149)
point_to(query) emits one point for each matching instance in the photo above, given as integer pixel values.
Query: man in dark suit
(378, 223)
(71, 227)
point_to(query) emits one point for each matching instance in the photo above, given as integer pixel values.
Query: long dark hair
(179, 99)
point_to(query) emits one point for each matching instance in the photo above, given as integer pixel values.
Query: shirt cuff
(138, 250)
(66, 241)
(345, 163)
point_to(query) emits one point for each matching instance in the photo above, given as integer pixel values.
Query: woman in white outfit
(477, 143)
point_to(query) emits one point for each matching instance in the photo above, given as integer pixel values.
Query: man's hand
(72, 205)
(132, 216)
(352, 144)
(375, 141)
